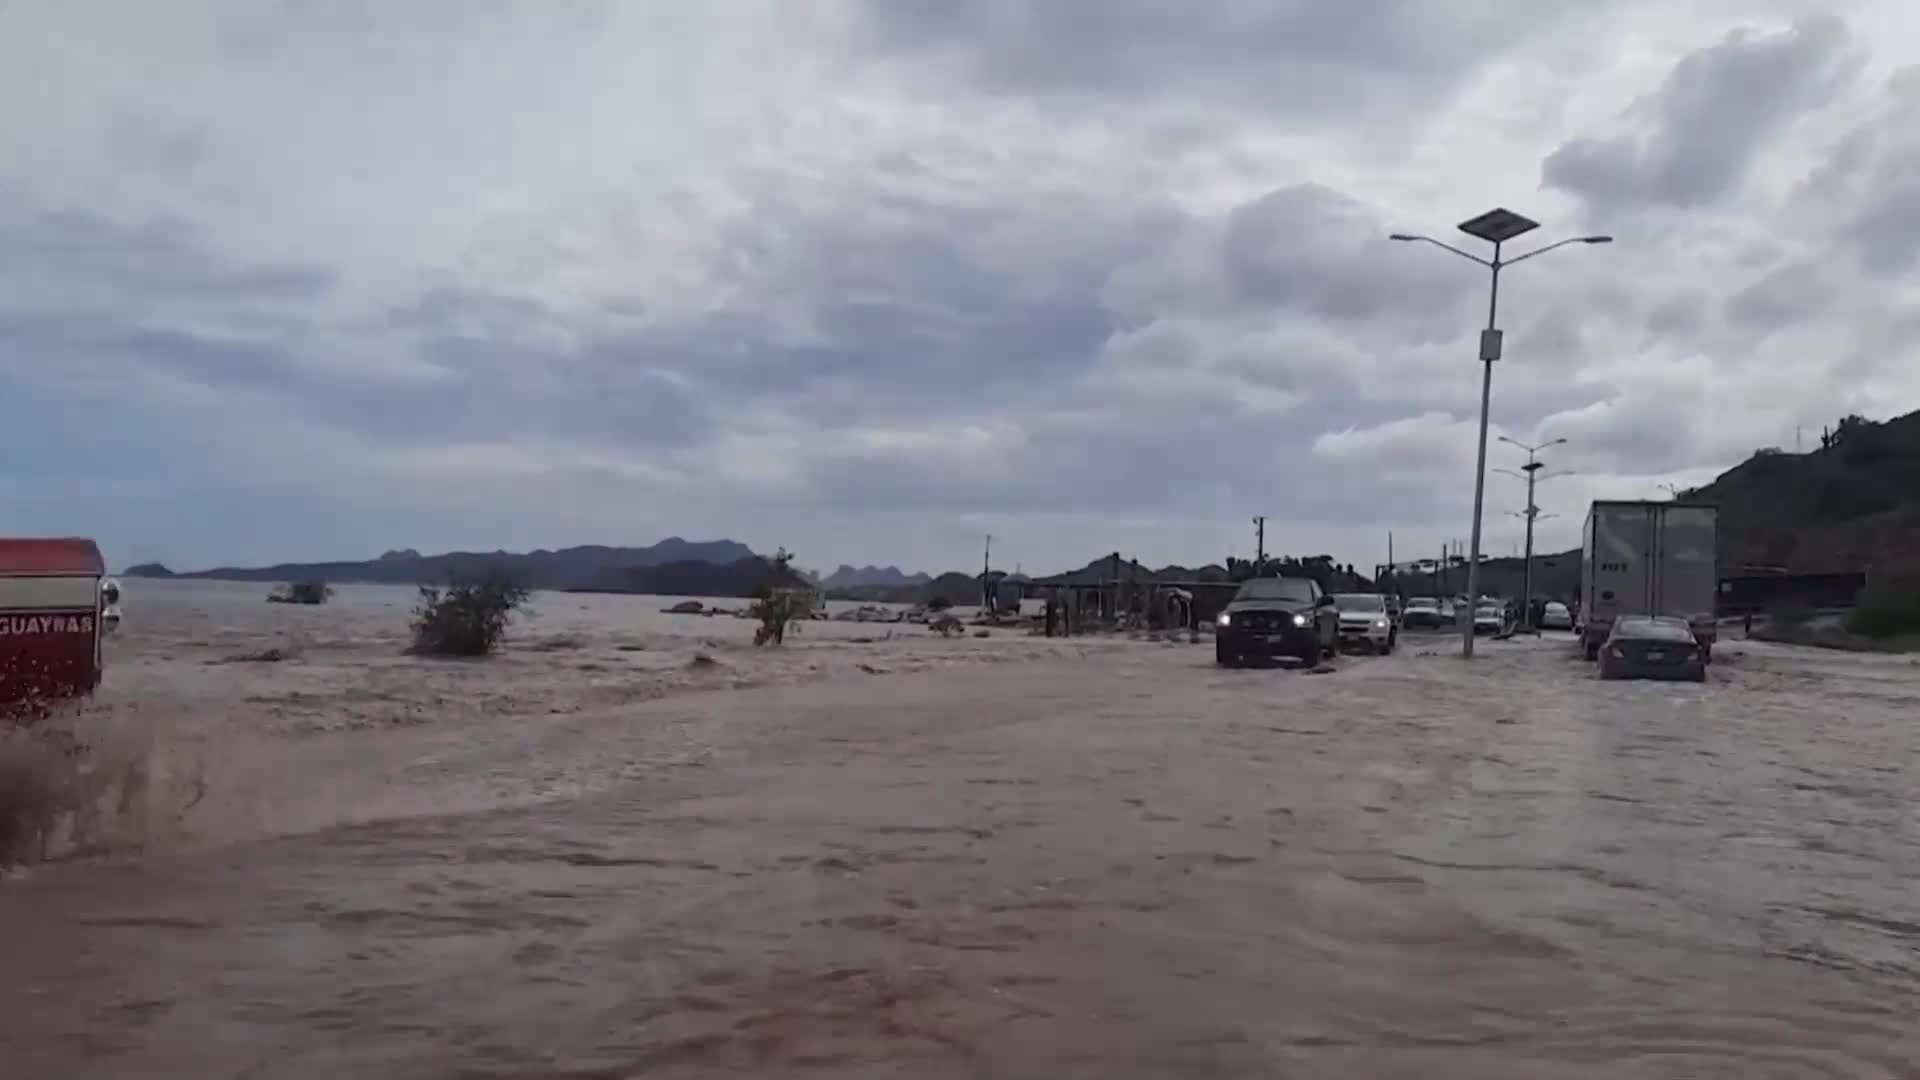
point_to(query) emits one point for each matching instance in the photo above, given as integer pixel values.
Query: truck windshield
(1289, 590)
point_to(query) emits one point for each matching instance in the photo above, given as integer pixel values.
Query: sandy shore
(1113, 861)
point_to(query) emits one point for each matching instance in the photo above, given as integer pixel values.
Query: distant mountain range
(588, 567)
(691, 577)
(848, 577)
(1854, 504)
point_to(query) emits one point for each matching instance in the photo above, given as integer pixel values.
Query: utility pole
(1531, 470)
(1259, 543)
(986, 576)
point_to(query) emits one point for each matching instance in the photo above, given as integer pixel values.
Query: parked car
(1366, 620)
(1489, 618)
(1422, 613)
(1556, 616)
(1652, 647)
(1277, 616)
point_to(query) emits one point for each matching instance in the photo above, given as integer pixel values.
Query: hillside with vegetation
(1853, 504)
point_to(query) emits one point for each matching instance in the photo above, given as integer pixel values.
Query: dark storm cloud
(1781, 297)
(1119, 464)
(903, 297)
(1693, 141)
(1887, 231)
(1864, 190)
(1303, 57)
(1326, 255)
(502, 374)
(154, 298)
(1875, 172)
(146, 261)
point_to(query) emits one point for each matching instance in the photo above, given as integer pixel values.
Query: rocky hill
(691, 577)
(1853, 504)
(849, 577)
(568, 568)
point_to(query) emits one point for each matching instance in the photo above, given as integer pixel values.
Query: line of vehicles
(1273, 617)
(1645, 608)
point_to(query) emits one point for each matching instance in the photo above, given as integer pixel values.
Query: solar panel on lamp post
(1496, 227)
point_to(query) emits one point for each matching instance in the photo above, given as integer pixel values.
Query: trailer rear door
(1622, 561)
(1684, 578)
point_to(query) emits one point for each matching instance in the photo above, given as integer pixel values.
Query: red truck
(56, 605)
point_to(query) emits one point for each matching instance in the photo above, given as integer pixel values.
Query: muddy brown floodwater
(1122, 863)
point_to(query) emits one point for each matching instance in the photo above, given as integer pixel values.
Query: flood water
(1116, 862)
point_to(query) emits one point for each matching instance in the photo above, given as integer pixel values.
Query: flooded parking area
(1128, 863)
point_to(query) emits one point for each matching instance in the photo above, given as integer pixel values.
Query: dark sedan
(1271, 617)
(1652, 648)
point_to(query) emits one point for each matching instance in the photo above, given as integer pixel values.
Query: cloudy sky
(872, 279)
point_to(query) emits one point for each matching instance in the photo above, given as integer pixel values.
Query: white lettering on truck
(18, 625)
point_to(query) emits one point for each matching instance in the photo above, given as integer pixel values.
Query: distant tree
(939, 603)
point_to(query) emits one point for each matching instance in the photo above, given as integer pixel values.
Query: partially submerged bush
(465, 619)
(776, 609)
(302, 592)
(776, 604)
(1887, 610)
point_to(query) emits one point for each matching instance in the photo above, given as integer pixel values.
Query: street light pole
(1496, 227)
(1489, 352)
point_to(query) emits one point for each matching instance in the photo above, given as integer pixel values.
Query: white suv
(1365, 620)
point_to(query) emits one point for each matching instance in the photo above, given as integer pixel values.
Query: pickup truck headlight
(1299, 620)
(1379, 624)
(1225, 619)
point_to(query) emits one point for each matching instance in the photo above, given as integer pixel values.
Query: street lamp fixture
(1496, 227)
(1499, 225)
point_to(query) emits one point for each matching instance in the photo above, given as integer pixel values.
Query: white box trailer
(1648, 558)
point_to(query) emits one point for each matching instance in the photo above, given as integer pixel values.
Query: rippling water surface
(1005, 858)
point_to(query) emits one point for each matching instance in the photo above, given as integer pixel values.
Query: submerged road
(1127, 865)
